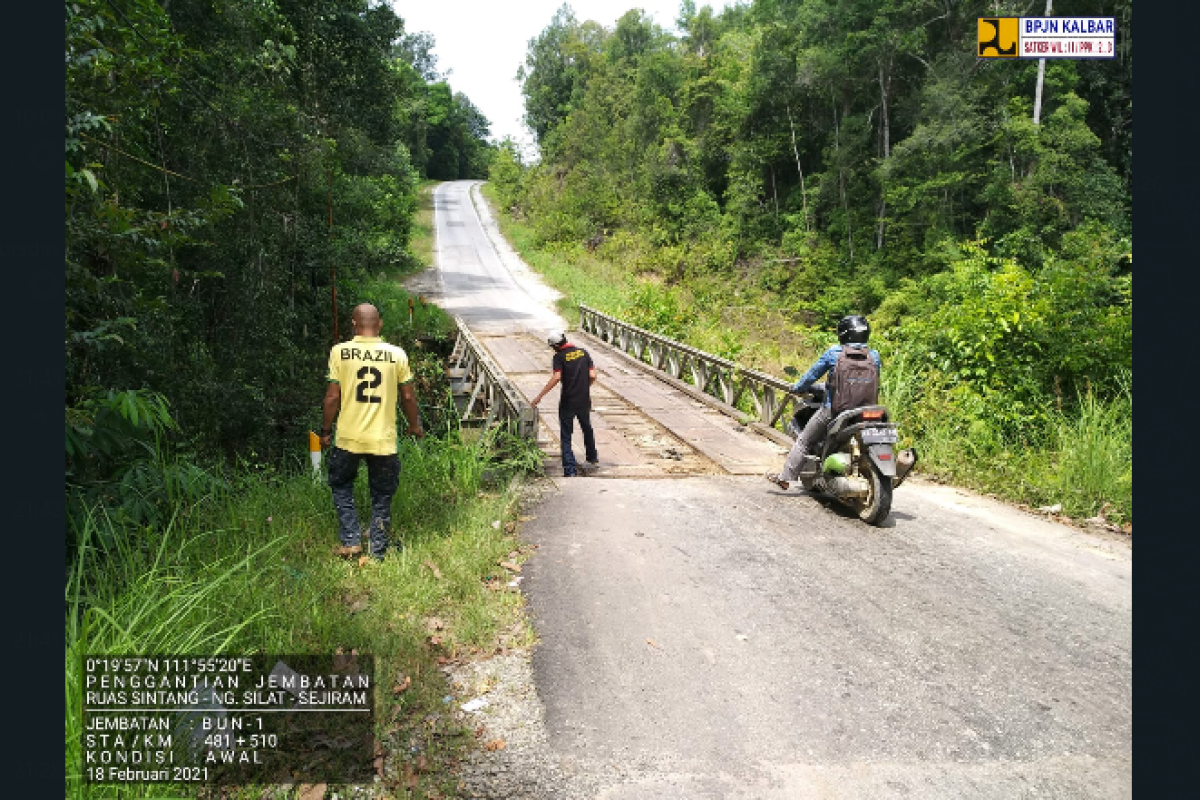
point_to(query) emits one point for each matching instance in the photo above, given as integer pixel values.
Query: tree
(556, 70)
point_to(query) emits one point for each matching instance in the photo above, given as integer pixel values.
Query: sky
(483, 42)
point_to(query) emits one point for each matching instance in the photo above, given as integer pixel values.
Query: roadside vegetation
(746, 182)
(251, 570)
(421, 243)
(241, 561)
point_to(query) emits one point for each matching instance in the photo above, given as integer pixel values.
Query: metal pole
(1037, 97)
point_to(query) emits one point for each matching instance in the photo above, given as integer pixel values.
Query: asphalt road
(721, 638)
(739, 641)
(478, 276)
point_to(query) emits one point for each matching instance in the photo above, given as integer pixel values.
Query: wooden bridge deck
(644, 427)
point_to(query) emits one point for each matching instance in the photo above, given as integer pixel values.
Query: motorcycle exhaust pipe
(905, 461)
(846, 487)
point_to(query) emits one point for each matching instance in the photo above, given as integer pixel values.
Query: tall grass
(420, 242)
(1084, 464)
(1095, 446)
(139, 600)
(257, 574)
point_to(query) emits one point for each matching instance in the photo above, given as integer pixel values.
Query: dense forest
(226, 163)
(823, 157)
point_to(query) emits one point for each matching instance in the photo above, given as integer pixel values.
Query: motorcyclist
(852, 331)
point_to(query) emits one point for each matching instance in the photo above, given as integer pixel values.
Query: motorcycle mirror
(790, 371)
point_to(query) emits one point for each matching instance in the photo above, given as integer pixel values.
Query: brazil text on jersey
(355, 354)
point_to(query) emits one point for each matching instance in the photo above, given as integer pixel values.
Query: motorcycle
(856, 465)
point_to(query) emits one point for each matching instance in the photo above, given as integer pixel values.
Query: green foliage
(457, 133)
(557, 69)
(1052, 180)
(865, 133)
(225, 165)
(1096, 465)
(657, 309)
(991, 322)
(119, 457)
(505, 173)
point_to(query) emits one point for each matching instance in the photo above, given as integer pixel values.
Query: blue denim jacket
(823, 365)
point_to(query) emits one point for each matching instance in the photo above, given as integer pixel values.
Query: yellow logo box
(999, 37)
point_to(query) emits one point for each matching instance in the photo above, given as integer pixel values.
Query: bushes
(1036, 338)
(656, 308)
(120, 457)
(1019, 381)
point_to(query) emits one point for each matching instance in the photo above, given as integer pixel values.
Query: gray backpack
(854, 380)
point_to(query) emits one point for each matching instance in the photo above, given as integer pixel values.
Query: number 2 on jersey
(360, 393)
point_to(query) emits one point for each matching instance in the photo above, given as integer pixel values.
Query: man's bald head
(366, 319)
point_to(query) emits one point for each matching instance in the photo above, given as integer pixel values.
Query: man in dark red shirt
(574, 369)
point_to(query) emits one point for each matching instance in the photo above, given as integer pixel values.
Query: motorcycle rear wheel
(878, 504)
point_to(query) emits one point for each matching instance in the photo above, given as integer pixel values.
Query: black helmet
(853, 330)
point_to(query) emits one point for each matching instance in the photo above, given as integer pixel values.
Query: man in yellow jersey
(366, 375)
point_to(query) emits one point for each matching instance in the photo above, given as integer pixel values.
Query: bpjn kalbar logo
(1047, 37)
(998, 37)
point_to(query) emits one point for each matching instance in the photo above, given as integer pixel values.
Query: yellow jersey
(370, 372)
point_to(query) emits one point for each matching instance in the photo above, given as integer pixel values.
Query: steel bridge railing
(715, 376)
(490, 397)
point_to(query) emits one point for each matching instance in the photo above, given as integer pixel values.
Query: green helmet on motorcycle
(853, 330)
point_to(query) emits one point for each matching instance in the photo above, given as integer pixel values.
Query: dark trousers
(383, 478)
(566, 429)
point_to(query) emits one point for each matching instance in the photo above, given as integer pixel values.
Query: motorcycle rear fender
(886, 466)
(838, 439)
